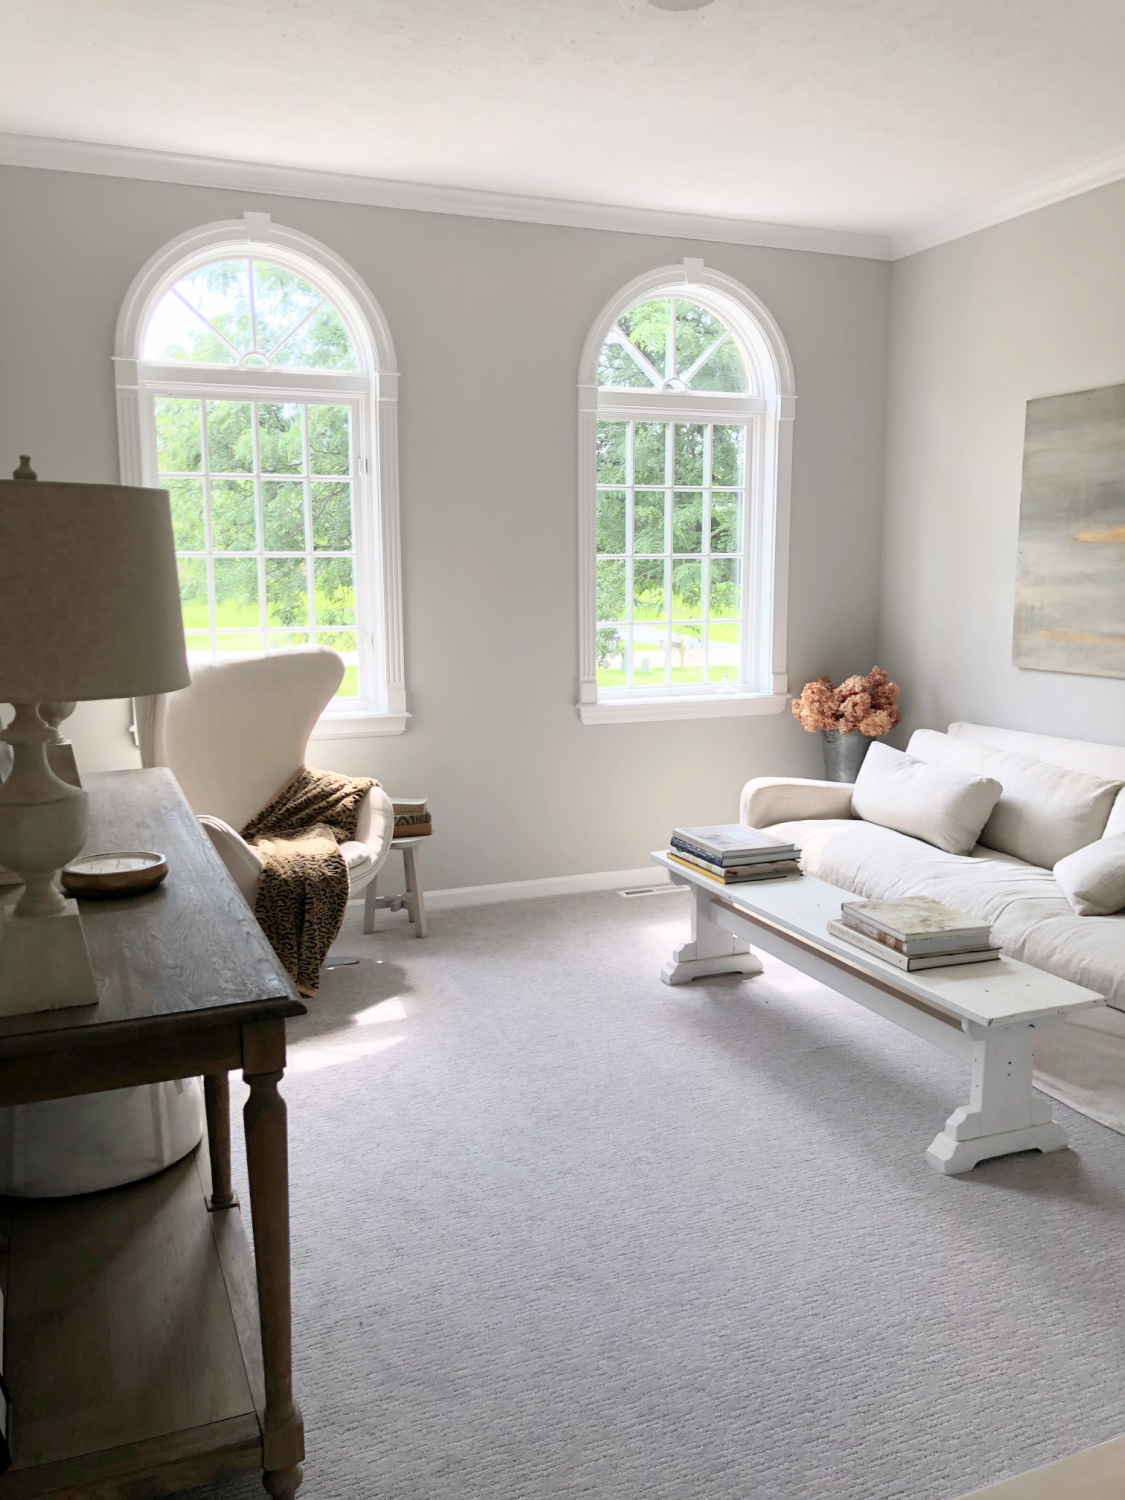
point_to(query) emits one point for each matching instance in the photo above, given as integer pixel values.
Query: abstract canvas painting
(1070, 577)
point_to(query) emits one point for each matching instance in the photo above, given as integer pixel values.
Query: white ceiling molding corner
(300, 182)
(1041, 194)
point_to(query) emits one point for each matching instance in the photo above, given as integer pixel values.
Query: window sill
(650, 710)
(358, 724)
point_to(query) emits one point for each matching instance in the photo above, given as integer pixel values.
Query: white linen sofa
(1081, 1063)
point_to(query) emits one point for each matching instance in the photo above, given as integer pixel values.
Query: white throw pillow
(1045, 812)
(1093, 879)
(945, 807)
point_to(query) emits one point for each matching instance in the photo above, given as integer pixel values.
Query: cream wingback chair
(237, 734)
(233, 738)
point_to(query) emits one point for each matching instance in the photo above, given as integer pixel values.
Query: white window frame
(767, 409)
(371, 391)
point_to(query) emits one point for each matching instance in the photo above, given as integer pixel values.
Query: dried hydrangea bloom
(884, 692)
(856, 707)
(867, 705)
(817, 707)
(878, 722)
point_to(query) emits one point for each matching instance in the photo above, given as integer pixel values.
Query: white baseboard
(525, 890)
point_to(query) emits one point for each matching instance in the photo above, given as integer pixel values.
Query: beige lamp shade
(89, 596)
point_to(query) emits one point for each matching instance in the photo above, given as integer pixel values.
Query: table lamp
(89, 608)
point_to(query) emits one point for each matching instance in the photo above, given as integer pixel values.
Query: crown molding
(89, 157)
(334, 187)
(1098, 173)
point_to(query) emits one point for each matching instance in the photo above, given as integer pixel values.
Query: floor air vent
(663, 889)
(674, 10)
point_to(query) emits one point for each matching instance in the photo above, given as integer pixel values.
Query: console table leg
(267, 1162)
(710, 950)
(216, 1100)
(283, 1484)
(1004, 1113)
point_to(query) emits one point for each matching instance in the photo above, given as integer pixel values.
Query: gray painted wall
(1034, 307)
(488, 320)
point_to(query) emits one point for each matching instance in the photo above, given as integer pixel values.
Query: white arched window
(686, 407)
(256, 383)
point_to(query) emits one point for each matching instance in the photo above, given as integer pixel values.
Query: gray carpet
(560, 1230)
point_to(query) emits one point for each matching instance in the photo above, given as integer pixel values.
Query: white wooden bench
(985, 1014)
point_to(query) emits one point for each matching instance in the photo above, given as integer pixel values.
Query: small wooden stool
(413, 898)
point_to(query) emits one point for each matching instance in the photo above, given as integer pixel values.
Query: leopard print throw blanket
(304, 886)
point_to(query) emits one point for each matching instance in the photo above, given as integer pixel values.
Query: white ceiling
(879, 116)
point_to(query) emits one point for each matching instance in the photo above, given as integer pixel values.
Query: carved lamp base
(44, 964)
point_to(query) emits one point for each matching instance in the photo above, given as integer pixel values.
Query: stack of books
(730, 853)
(915, 934)
(412, 818)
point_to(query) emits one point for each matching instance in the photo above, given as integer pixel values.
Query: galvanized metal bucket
(843, 753)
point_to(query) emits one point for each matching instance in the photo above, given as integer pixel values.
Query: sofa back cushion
(944, 806)
(1045, 812)
(1106, 761)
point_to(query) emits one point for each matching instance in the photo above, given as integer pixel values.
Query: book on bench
(917, 926)
(731, 844)
(915, 933)
(911, 962)
(772, 869)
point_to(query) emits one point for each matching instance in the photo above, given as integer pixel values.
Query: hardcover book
(916, 918)
(731, 843)
(911, 963)
(773, 870)
(412, 817)
(954, 942)
(713, 868)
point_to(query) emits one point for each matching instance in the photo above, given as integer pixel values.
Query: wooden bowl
(121, 872)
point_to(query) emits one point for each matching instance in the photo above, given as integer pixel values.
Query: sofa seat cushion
(1031, 918)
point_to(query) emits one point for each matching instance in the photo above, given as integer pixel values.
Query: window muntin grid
(670, 546)
(263, 510)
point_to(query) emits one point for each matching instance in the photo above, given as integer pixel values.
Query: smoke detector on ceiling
(674, 10)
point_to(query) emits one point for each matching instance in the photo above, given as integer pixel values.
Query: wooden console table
(138, 1356)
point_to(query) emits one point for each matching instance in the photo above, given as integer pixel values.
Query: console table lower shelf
(987, 1015)
(132, 1347)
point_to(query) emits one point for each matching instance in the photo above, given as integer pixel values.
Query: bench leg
(710, 950)
(1004, 1113)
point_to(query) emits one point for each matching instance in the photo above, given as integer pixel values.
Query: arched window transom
(671, 344)
(248, 313)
